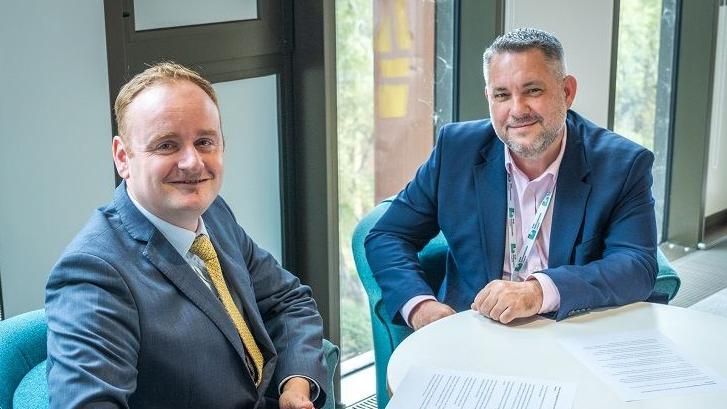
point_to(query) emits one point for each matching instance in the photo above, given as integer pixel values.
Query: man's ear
(569, 86)
(121, 156)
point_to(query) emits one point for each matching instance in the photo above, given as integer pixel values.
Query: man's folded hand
(505, 301)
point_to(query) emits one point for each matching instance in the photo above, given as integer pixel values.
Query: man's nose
(190, 159)
(519, 106)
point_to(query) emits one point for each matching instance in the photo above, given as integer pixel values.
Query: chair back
(22, 358)
(387, 336)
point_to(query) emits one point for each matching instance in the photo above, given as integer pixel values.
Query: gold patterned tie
(202, 247)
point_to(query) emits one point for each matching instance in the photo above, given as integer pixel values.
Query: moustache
(524, 120)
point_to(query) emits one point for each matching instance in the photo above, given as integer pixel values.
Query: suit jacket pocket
(589, 250)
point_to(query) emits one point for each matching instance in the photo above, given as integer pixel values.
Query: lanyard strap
(518, 260)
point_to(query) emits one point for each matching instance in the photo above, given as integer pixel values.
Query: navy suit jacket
(131, 325)
(603, 236)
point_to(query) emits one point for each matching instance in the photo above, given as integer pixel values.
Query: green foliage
(637, 70)
(356, 324)
(355, 82)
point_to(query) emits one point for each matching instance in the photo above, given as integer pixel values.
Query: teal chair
(22, 361)
(23, 354)
(387, 336)
(667, 280)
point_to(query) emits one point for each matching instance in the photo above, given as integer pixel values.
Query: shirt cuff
(409, 306)
(315, 389)
(551, 295)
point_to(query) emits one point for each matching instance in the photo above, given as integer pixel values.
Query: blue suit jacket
(603, 237)
(131, 325)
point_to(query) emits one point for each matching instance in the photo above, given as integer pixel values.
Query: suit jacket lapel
(491, 187)
(571, 196)
(168, 261)
(161, 253)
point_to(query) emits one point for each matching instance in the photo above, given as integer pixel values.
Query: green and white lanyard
(518, 260)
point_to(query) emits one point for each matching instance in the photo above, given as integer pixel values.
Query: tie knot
(202, 248)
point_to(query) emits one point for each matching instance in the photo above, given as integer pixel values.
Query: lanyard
(518, 260)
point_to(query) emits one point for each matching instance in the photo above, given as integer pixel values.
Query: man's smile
(523, 124)
(189, 181)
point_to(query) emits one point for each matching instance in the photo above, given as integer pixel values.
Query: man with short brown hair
(162, 300)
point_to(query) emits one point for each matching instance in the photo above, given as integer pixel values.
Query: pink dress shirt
(528, 195)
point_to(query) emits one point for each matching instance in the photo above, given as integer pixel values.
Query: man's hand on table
(428, 311)
(505, 301)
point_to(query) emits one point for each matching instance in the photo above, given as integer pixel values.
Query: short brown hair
(163, 72)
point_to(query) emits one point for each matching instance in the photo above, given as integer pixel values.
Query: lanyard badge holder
(519, 260)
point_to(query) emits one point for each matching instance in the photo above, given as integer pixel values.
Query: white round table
(530, 348)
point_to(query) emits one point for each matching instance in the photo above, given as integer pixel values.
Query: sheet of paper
(429, 388)
(642, 365)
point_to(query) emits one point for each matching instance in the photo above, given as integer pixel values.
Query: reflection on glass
(386, 59)
(249, 110)
(152, 14)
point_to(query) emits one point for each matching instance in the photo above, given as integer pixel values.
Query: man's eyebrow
(170, 135)
(208, 132)
(532, 83)
(160, 136)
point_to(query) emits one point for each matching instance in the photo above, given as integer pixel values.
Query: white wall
(55, 129)
(584, 27)
(716, 199)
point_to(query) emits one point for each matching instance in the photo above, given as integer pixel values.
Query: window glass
(153, 14)
(392, 57)
(716, 198)
(249, 110)
(644, 82)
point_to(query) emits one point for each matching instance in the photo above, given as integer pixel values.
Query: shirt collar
(180, 238)
(551, 170)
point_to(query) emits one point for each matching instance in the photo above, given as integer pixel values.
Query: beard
(538, 146)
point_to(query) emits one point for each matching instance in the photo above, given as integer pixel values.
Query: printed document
(642, 365)
(429, 388)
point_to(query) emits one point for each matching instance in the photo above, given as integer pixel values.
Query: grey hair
(524, 39)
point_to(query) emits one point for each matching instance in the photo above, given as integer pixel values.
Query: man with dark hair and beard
(544, 211)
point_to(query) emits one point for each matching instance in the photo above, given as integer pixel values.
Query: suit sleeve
(626, 269)
(291, 319)
(93, 335)
(403, 230)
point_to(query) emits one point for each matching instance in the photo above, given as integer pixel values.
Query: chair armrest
(667, 278)
(332, 354)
